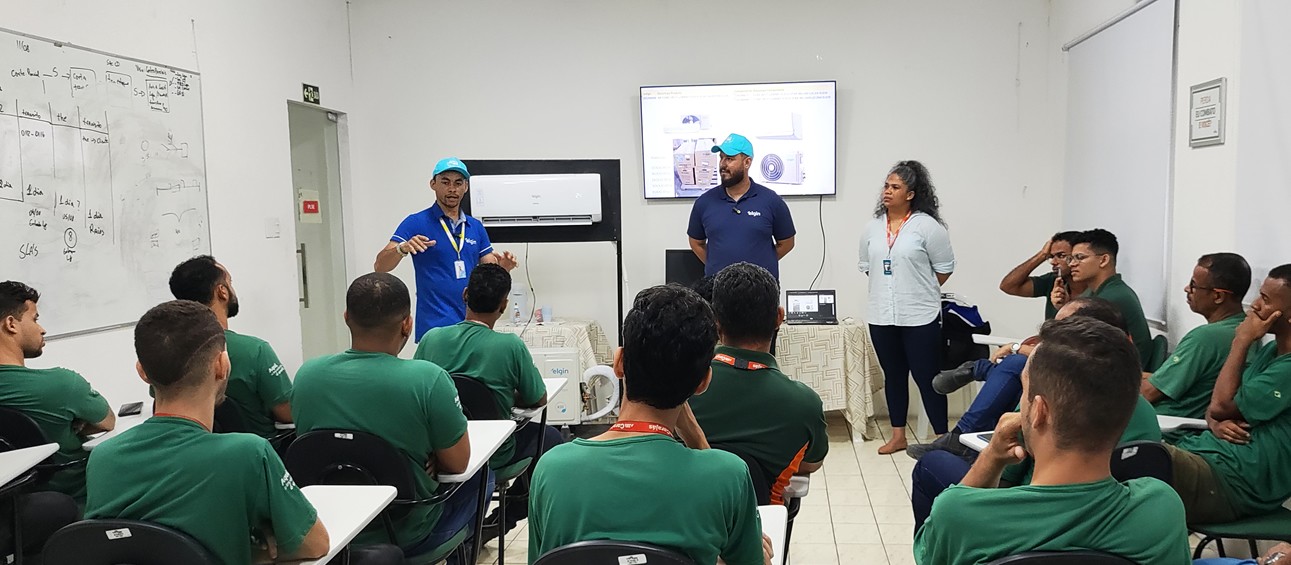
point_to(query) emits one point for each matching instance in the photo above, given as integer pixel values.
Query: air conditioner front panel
(536, 200)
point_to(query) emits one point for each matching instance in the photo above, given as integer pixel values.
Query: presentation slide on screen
(791, 127)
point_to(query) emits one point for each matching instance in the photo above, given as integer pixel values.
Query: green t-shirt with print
(762, 413)
(222, 489)
(649, 489)
(57, 399)
(1254, 475)
(499, 360)
(1187, 378)
(1143, 426)
(412, 404)
(1115, 290)
(257, 381)
(1140, 520)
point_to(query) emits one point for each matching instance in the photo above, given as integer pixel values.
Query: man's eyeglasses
(1193, 287)
(1078, 257)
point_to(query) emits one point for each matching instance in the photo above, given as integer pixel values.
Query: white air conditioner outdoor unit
(536, 200)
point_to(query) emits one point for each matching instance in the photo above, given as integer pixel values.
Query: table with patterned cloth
(839, 363)
(584, 335)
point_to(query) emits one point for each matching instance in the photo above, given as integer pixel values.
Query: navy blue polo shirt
(439, 291)
(749, 235)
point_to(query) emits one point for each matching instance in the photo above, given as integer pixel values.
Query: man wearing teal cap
(741, 220)
(446, 245)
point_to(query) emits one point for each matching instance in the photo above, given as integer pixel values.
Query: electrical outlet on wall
(272, 228)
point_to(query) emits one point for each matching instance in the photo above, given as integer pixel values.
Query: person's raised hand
(1058, 296)
(417, 244)
(1001, 352)
(1047, 249)
(1253, 327)
(507, 260)
(1006, 444)
(1232, 431)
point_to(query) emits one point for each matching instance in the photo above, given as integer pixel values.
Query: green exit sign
(310, 93)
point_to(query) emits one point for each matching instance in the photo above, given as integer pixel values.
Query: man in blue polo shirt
(446, 245)
(742, 220)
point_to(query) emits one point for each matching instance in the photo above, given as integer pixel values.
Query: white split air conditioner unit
(536, 200)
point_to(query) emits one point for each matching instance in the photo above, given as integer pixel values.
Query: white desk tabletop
(123, 423)
(14, 463)
(345, 510)
(1172, 423)
(774, 522)
(976, 441)
(553, 385)
(486, 437)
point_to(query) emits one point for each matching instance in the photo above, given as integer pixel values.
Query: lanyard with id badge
(459, 266)
(892, 239)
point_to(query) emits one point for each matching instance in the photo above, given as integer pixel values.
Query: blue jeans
(1001, 391)
(914, 351)
(459, 511)
(934, 473)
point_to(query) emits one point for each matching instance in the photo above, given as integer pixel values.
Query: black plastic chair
(478, 403)
(18, 431)
(111, 542)
(1139, 459)
(1063, 558)
(605, 552)
(761, 482)
(229, 420)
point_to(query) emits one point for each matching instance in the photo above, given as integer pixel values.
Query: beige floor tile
(851, 497)
(844, 468)
(851, 514)
(843, 482)
(815, 515)
(888, 493)
(861, 554)
(856, 533)
(812, 533)
(893, 514)
(900, 554)
(812, 553)
(897, 534)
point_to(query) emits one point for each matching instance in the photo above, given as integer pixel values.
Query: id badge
(460, 267)
(887, 266)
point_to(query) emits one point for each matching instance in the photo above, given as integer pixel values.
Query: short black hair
(196, 279)
(1100, 241)
(1282, 273)
(668, 341)
(1228, 271)
(1100, 309)
(1089, 375)
(487, 288)
(746, 301)
(704, 288)
(1067, 236)
(377, 300)
(175, 342)
(14, 297)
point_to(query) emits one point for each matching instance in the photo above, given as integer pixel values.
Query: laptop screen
(810, 307)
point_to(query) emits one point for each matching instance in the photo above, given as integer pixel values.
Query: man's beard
(233, 307)
(735, 177)
(33, 353)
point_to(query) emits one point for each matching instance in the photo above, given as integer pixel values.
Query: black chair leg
(1219, 544)
(17, 532)
(1255, 551)
(502, 522)
(389, 524)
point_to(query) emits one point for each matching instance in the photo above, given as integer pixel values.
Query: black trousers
(41, 514)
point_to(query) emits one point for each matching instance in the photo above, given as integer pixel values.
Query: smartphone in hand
(130, 409)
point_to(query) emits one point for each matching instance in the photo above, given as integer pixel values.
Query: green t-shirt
(257, 381)
(1187, 378)
(499, 360)
(763, 414)
(1255, 475)
(1140, 520)
(649, 489)
(1115, 290)
(410, 403)
(219, 488)
(1042, 286)
(1143, 426)
(55, 399)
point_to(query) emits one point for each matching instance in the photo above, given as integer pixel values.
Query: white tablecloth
(839, 363)
(584, 335)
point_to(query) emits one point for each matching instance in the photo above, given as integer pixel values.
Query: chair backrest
(18, 430)
(112, 542)
(228, 419)
(1158, 354)
(478, 402)
(1138, 459)
(607, 552)
(759, 476)
(1062, 558)
(348, 457)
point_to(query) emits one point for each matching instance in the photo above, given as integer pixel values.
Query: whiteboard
(102, 180)
(1120, 107)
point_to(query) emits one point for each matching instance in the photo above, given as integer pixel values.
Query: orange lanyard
(739, 363)
(892, 235)
(641, 427)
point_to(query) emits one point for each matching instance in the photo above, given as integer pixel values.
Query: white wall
(253, 56)
(966, 88)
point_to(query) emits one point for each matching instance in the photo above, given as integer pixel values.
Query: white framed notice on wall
(1206, 125)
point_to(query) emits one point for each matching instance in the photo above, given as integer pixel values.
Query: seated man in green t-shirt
(1080, 386)
(751, 408)
(1020, 282)
(1182, 385)
(410, 403)
(259, 387)
(61, 402)
(503, 363)
(221, 489)
(1093, 265)
(1239, 467)
(636, 482)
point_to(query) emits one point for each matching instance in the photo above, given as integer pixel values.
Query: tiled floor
(857, 512)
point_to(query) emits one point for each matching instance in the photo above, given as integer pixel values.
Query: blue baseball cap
(451, 164)
(734, 145)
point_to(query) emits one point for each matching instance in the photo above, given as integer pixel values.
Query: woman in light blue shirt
(906, 253)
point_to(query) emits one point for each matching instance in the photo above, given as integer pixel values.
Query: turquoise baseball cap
(451, 164)
(734, 145)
